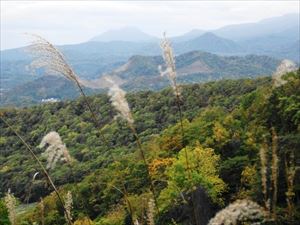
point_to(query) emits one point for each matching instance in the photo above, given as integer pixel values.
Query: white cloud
(77, 21)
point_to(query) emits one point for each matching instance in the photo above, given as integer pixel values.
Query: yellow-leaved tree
(204, 170)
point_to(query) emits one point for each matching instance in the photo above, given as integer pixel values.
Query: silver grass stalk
(150, 212)
(118, 100)
(47, 56)
(69, 206)
(42, 211)
(170, 72)
(240, 212)
(274, 175)
(290, 172)
(29, 148)
(263, 171)
(56, 150)
(169, 59)
(11, 202)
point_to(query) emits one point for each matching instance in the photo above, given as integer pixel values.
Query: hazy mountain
(130, 34)
(261, 28)
(141, 73)
(281, 45)
(277, 37)
(92, 58)
(89, 59)
(289, 51)
(188, 36)
(42, 88)
(208, 42)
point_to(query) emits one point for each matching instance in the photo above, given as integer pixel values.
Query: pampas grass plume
(170, 71)
(56, 150)
(47, 56)
(263, 171)
(11, 202)
(150, 212)
(240, 212)
(69, 205)
(118, 99)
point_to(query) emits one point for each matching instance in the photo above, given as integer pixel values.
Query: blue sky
(66, 22)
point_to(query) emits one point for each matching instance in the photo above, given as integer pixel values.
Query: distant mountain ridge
(141, 73)
(208, 42)
(90, 59)
(236, 32)
(261, 28)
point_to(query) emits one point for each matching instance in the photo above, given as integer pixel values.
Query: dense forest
(234, 142)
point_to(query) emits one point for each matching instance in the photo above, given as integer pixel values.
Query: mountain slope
(226, 124)
(42, 88)
(260, 28)
(141, 73)
(209, 42)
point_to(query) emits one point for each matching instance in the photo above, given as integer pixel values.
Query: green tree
(204, 171)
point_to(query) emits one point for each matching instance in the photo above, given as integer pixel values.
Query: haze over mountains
(141, 73)
(275, 37)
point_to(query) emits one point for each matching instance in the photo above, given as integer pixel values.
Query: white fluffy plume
(170, 71)
(11, 202)
(56, 150)
(284, 67)
(47, 56)
(118, 99)
(69, 205)
(240, 212)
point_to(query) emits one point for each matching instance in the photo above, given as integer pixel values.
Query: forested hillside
(142, 73)
(242, 139)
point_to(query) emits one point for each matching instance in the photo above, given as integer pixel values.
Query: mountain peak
(188, 36)
(210, 35)
(132, 34)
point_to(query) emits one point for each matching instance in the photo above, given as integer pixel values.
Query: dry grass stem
(171, 74)
(42, 211)
(150, 212)
(274, 175)
(119, 101)
(47, 56)
(290, 172)
(263, 171)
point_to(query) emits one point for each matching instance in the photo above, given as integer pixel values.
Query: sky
(68, 22)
